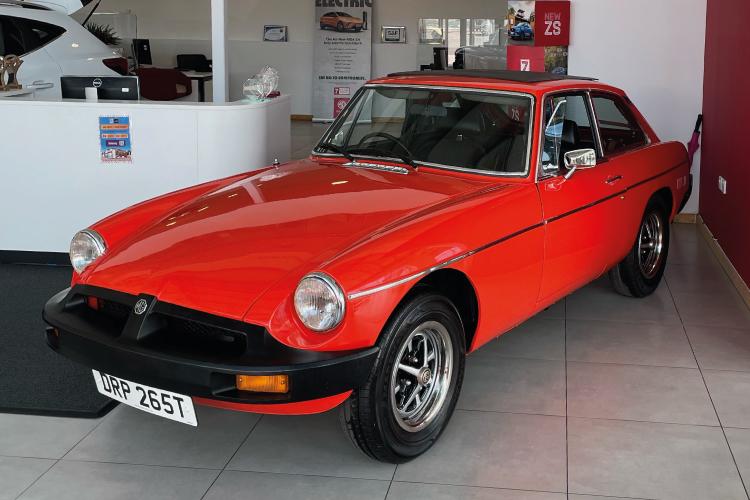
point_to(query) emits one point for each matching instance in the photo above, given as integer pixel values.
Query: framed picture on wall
(275, 33)
(393, 34)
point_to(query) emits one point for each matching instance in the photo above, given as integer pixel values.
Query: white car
(53, 44)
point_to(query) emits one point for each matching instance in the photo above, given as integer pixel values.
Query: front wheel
(413, 388)
(340, 27)
(640, 272)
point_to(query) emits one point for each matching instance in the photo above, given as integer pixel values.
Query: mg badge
(140, 307)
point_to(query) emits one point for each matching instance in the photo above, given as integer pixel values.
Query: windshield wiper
(404, 156)
(336, 149)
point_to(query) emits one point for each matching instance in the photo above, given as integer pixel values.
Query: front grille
(172, 329)
(201, 338)
(115, 311)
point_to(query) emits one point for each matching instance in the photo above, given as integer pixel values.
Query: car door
(580, 212)
(622, 141)
(26, 38)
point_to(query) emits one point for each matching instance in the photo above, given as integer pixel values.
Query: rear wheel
(640, 272)
(340, 26)
(413, 388)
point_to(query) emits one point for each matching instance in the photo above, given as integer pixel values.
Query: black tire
(369, 417)
(340, 26)
(637, 275)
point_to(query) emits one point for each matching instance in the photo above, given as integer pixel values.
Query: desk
(201, 77)
(55, 183)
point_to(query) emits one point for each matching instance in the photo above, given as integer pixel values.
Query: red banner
(552, 23)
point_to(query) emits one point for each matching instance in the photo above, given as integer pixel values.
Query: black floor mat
(33, 378)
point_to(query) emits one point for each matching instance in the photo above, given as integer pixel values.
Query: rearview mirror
(579, 159)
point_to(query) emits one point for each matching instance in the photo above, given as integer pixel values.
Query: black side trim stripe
(401, 281)
(614, 195)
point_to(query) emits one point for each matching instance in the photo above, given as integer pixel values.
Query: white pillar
(219, 50)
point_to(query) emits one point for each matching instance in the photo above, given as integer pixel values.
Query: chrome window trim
(586, 92)
(625, 100)
(597, 133)
(378, 166)
(529, 141)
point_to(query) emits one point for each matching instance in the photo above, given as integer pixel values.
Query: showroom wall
(653, 49)
(725, 152)
(181, 26)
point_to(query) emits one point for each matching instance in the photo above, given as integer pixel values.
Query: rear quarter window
(618, 128)
(20, 36)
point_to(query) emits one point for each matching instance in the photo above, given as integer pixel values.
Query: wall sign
(552, 23)
(343, 54)
(275, 33)
(393, 34)
(115, 139)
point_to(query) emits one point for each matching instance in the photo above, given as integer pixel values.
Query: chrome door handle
(40, 84)
(614, 179)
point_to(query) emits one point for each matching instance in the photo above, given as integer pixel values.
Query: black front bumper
(190, 352)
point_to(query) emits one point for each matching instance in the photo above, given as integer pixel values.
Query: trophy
(9, 72)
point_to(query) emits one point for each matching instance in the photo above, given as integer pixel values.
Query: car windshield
(475, 130)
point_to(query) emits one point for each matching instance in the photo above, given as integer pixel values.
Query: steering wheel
(384, 135)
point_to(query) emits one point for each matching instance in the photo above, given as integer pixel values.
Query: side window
(21, 36)
(41, 34)
(618, 128)
(12, 38)
(567, 127)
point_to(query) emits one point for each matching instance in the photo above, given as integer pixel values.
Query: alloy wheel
(421, 376)
(650, 245)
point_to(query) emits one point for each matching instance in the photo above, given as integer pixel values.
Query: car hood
(221, 251)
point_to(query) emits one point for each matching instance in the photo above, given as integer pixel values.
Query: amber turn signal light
(263, 383)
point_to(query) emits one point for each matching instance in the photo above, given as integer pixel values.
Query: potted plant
(105, 33)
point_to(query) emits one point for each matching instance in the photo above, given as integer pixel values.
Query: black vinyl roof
(507, 75)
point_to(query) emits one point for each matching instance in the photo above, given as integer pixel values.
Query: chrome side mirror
(579, 159)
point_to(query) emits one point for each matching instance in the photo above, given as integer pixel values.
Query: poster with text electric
(343, 53)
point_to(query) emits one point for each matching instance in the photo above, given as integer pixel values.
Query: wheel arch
(456, 287)
(665, 196)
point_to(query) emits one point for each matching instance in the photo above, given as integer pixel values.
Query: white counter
(54, 183)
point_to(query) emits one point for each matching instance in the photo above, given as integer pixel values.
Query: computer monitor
(142, 51)
(117, 88)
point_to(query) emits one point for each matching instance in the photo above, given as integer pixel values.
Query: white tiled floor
(600, 396)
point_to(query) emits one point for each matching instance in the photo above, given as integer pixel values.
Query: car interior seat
(570, 140)
(163, 84)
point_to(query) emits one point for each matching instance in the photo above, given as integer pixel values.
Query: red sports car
(439, 211)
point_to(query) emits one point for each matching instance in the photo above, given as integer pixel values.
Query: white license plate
(163, 403)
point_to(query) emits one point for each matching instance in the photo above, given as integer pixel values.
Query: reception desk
(55, 182)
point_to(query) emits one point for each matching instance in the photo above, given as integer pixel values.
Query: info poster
(540, 23)
(538, 35)
(343, 54)
(115, 139)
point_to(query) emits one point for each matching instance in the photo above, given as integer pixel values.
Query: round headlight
(85, 248)
(319, 302)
